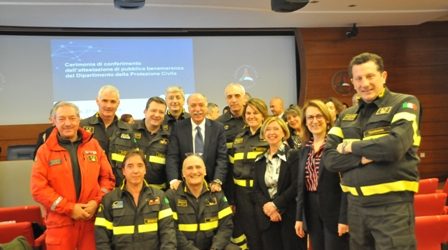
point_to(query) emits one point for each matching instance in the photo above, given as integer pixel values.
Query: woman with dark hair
(335, 107)
(321, 205)
(294, 117)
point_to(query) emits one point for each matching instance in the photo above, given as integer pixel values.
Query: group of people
(246, 180)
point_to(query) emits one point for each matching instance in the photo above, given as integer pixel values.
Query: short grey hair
(109, 88)
(65, 104)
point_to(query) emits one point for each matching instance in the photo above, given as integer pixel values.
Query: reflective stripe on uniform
(175, 216)
(383, 188)
(250, 155)
(165, 213)
(56, 203)
(150, 227)
(206, 226)
(337, 131)
(373, 137)
(224, 212)
(102, 222)
(158, 186)
(117, 157)
(396, 186)
(123, 230)
(238, 239)
(412, 118)
(347, 189)
(156, 159)
(243, 182)
(231, 159)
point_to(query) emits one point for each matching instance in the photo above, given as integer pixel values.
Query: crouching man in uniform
(135, 215)
(203, 219)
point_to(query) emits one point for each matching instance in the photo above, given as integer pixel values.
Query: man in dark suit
(200, 136)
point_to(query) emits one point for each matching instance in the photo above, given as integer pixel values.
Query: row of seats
(24, 221)
(431, 221)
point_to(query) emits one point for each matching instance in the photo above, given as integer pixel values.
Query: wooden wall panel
(416, 58)
(19, 134)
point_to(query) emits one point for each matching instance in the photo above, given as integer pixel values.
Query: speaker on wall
(288, 5)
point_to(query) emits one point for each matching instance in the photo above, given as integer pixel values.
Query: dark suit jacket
(333, 202)
(286, 189)
(215, 151)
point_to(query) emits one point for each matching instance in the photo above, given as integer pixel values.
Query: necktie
(198, 141)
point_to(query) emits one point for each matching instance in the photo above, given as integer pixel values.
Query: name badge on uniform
(238, 140)
(212, 202)
(55, 162)
(125, 136)
(155, 201)
(150, 220)
(384, 110)
(349, 117)
(89, 129)
(138, 135)
(182, 203)
(117, 204)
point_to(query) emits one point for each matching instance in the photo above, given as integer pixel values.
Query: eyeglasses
(317, 117)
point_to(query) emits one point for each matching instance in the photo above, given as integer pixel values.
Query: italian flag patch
(409, 105)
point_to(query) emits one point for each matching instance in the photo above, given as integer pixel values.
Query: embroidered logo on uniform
(150, 220)
(100, 208)
(224, 199)
(55, 162)
(138, 135)
(409, 105)
(166, 200)
(182, 203)
(164, 141)
(90, 152)
(125, 136)
(92, 158)
(155, 201)
(117, 204)
(89, 129)
(349, 117)
(384, 110)
(165, 127)
(226, 127)
(212, 201)
(238, 140)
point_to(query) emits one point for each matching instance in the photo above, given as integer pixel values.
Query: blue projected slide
(138, 67)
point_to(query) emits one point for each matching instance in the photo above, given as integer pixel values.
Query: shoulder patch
(409, 105)
(155, 201)
(182, 203)
(89, 129)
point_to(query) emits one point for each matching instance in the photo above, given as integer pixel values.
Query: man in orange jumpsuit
(70, 175)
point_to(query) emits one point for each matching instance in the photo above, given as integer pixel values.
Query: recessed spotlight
(352, 5)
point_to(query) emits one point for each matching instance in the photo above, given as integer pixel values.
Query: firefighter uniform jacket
(170, 120)
(385, 131)
(246, 148)
(154, 147)
(202, 223)
(52, 183)
(116, 140)
(121, 224)
(232, 127)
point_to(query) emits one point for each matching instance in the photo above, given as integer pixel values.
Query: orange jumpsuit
(53, 186)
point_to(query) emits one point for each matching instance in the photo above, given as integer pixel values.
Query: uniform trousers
(79, 236)
(381, 227)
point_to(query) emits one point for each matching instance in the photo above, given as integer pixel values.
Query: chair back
(427, 186)
(431, 231)
(21, 214)
(429, 204)
(9, 231)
